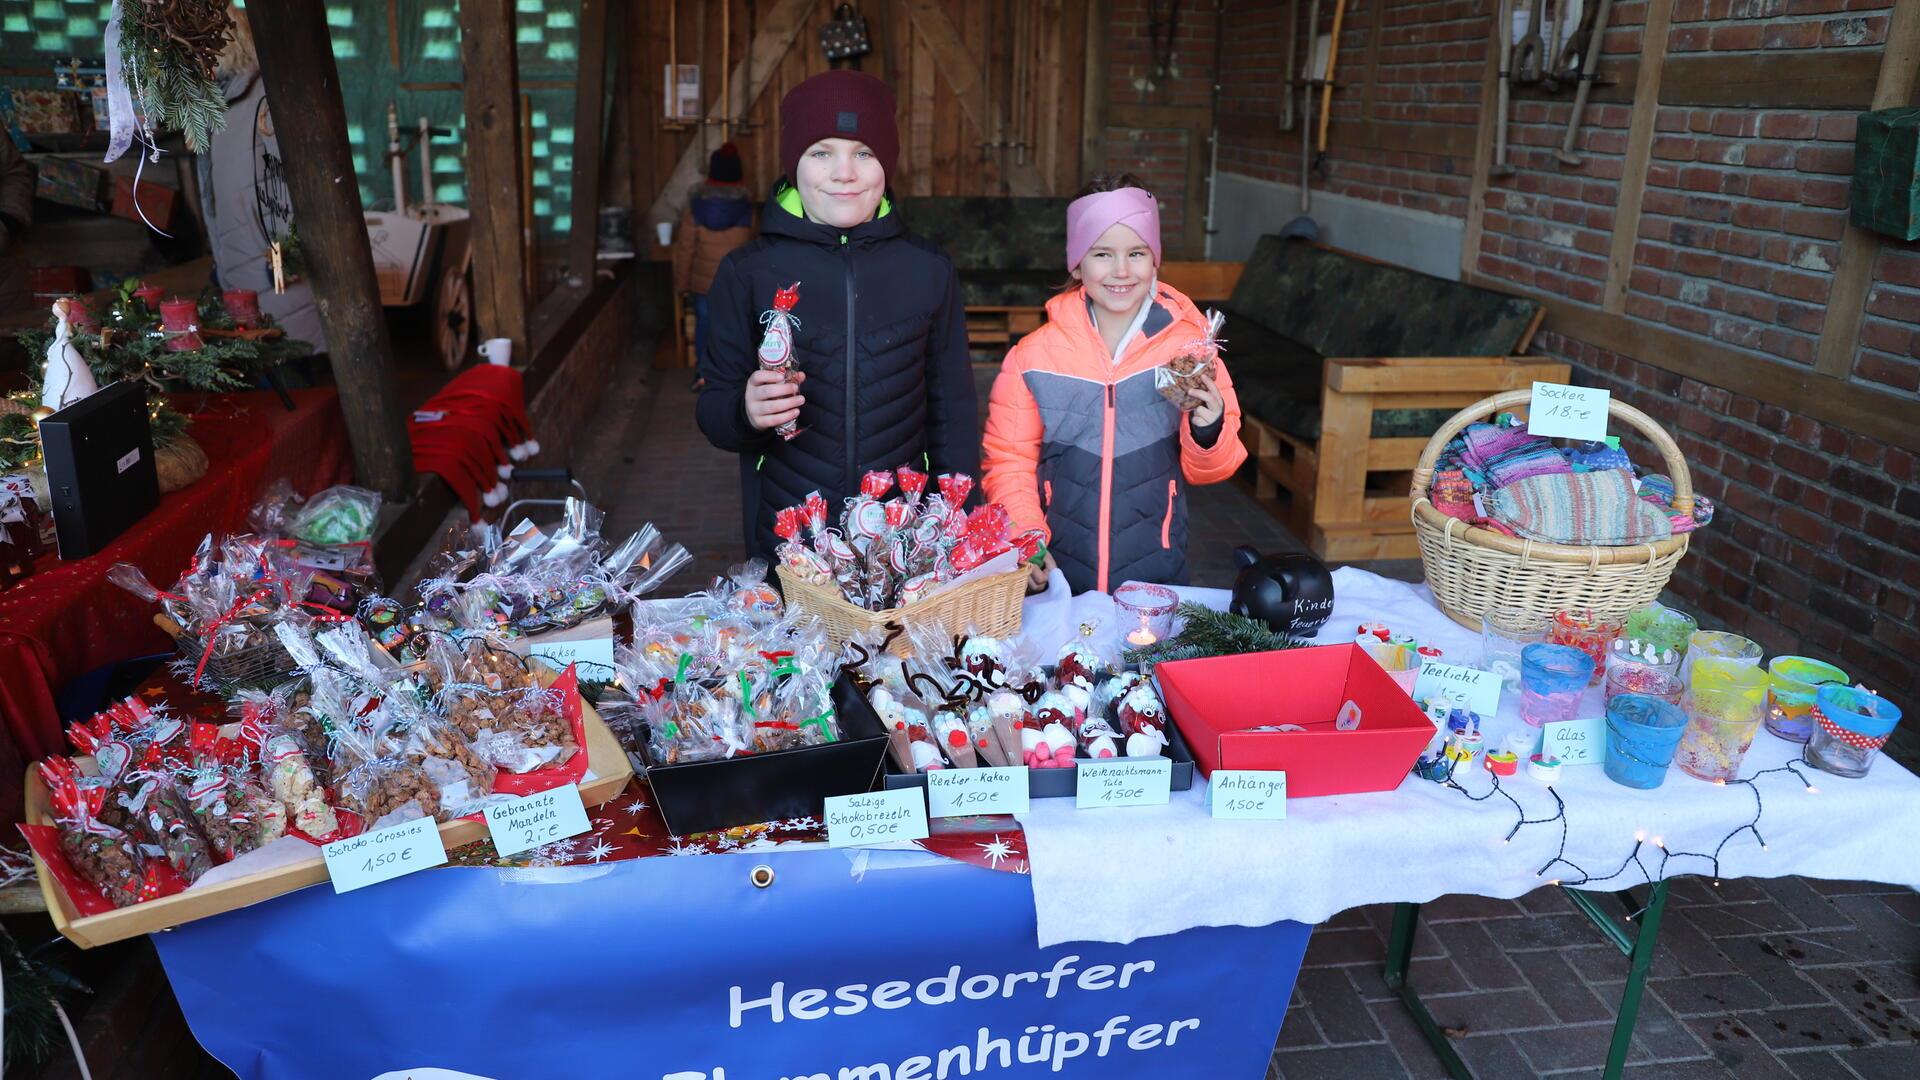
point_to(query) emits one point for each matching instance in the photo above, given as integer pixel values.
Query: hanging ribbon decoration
(119, 100)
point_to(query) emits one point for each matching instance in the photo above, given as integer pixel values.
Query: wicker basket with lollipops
(776, 345)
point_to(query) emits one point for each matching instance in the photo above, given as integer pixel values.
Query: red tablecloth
(67, 619)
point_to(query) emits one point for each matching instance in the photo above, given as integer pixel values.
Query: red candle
(80, 316)
(180, 318)
(243, 307)
(150, 295)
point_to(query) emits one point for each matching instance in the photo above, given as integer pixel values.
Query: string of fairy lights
(1580, 877)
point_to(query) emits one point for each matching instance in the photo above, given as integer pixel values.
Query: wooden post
(1859, 249)
(493, 170)
(1640, 135)
(589, 100)
(303, 87)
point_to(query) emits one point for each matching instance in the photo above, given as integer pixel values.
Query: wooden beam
(1633, 175)
(1130, 115)
(1612, 83)
(1876, 414)
(1775, 79)
(589, 105)
(921, 95)
(312, 128)
(1440, 140)
(1860, 248)
(493, 171)
(778, 29)
(1093, 106)
(963, 74)
(1490, 121)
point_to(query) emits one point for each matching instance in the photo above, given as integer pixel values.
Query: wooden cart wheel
(453, 315)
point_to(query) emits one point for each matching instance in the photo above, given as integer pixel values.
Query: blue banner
(846, 967)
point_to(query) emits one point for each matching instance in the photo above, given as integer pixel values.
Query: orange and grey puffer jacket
(1089, 451)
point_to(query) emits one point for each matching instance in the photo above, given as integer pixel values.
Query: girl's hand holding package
(772, 400)
(1210, 406)
(1037, 574)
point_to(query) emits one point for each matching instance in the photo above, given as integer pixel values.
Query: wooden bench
(1344, 366)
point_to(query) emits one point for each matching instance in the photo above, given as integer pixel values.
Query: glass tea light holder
(1590, 633)
(1552, 679)
(1725, 705)
(1146, 610)
(1503, 633)
(1717, 643)
(1642, 733)
(1794, 682)
(1659, 626)
(1850, 725)
(1629, 673)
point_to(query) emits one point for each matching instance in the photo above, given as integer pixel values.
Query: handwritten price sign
(1480, 688)
(959, 792)
(877, 817)
(1576, 742)
(1247, 795)
(1568, 412)
(537, 819)
(1123, 782)
(384, 854)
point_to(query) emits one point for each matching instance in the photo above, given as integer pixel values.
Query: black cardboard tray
(703, 796)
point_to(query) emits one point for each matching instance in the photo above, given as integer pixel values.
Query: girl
(1079, 441)
(880, 355)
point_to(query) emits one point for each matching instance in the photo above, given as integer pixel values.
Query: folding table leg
(1406, 922)
(1641, 961)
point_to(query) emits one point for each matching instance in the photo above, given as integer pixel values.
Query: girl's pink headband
(1090, 216)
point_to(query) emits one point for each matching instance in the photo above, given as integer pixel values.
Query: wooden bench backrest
(1340, 304)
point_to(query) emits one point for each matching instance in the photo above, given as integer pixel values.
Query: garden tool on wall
(1304, 226)
(1504, 26)
(1573, 50)
(1293, 46)
(1326, 85)
(1529, 53)
(1595, 28)
(1550, 76)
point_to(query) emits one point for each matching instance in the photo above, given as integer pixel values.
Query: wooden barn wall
(1017, 130)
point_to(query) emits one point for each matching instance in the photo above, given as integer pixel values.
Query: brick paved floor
(1754, 979)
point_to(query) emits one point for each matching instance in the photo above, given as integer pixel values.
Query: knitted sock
(1507, 454)
(1452, 494)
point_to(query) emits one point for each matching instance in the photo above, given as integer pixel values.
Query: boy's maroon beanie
(839, 104)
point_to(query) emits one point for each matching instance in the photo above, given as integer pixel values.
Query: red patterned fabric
(67, 619)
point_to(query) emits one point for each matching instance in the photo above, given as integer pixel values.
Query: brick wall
(1814, 549)
(1159, 155)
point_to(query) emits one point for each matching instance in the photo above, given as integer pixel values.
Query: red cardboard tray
(1214, 701)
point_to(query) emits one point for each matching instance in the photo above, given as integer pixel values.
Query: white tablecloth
(1127, 873)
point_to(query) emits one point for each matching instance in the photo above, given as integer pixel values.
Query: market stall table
(67, 619)
(680, 936)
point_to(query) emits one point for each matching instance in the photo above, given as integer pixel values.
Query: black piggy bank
(1291, 593)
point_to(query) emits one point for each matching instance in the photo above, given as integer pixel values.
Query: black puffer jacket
(882, 340)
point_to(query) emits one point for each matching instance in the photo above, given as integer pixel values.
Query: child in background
(718, 218)
(1080, 443)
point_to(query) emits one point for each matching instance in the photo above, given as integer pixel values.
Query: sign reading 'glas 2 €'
(538, 819)
(958, 792)
(1568, 412)
(877, 817)
(1123, 782)
(1575, 742)
(383, 854)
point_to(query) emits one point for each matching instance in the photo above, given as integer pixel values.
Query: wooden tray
(605, 760)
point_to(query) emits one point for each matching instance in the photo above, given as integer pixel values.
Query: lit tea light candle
(1141, 637)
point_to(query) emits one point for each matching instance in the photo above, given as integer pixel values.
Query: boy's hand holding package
(772, 400)
(1205, 401)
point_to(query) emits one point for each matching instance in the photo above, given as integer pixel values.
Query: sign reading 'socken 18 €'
(1568, 412)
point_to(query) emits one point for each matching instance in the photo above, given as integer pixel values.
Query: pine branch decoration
(170, 50)
(1213, 633)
